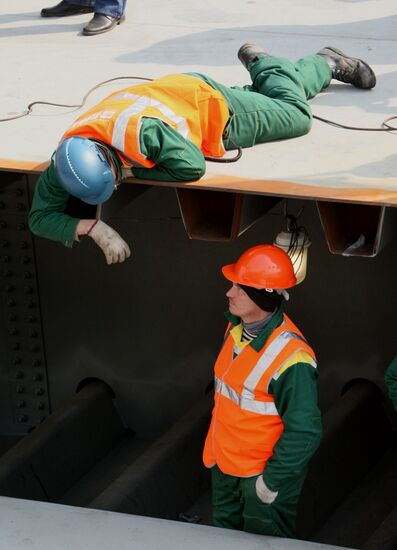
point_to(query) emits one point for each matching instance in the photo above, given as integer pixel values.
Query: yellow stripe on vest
(298, 357)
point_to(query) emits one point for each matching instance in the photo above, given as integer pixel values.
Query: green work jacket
(176, 158)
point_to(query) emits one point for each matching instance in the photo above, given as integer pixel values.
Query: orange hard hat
(262, 266)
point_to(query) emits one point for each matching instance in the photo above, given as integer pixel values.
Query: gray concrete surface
(29, 525)
(49, 59)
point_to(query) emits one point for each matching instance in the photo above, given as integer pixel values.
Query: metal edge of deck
(371, 196)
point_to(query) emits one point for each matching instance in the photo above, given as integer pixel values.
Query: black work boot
(348, 69)
(249, 53)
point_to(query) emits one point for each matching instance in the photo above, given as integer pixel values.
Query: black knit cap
(265, 299)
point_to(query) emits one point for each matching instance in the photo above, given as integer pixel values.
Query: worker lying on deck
(162, 130)
(265, 423)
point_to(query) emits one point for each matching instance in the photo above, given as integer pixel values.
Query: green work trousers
(275, 106)
(236, 505)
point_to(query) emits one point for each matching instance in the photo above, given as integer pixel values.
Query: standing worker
(162, 130)
(265, 423)
(107, 13)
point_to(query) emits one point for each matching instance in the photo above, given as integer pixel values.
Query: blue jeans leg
(113, 8)
(85, 3)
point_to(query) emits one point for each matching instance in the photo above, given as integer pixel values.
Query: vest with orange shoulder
(189, 105)
(245, 423)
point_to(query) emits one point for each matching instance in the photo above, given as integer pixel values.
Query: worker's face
(240, 304)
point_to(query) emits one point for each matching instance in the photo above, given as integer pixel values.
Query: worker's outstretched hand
(263, 492)
(113, 246)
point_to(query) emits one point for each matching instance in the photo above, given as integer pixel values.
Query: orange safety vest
(186, 103)
(245, 423)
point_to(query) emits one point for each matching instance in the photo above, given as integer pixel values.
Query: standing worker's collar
(258, 342)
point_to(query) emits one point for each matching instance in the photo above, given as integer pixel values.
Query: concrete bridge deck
(49, 59)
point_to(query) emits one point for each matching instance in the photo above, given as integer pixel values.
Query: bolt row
(21, 307)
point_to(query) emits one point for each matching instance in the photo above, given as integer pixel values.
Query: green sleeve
(46, 216)
(295, 397)
(176, 158)
(391, 381)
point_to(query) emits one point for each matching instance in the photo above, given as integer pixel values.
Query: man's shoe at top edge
(63, 9)
(348, 69)
(101, 23)
(249, 53)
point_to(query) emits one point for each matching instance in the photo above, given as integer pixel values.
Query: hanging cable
(294, 241)
(299, 238)
(231, 159)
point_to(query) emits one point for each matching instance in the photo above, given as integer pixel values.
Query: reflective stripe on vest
(246, 400)
(141, 103)
(187, 104)
(245, 403)
(268, 357)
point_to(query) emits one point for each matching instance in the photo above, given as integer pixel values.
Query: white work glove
(263, 492)
(112, 245)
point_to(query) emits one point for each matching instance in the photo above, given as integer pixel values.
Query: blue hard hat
(83, 170)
